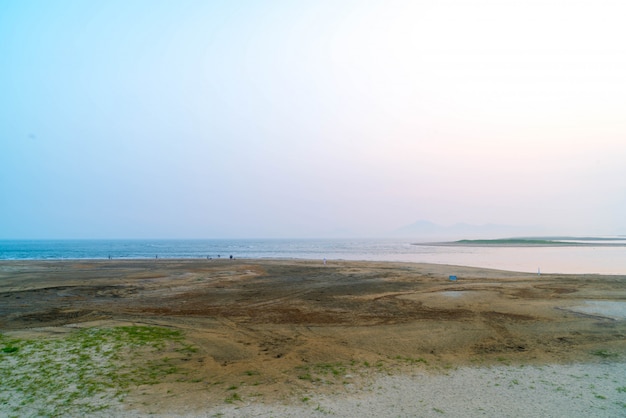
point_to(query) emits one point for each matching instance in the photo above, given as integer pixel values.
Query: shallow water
(609, 309)
(574, 260)
(453, 293)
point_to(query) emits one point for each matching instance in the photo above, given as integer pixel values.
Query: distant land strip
(537, 242)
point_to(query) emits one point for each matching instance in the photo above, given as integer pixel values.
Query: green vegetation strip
(338, 372)
(547, 241)
(85, 371)
(513, 241)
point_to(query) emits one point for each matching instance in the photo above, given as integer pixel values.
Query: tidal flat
(296, 337)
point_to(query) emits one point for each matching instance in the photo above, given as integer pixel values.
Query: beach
(301, 338)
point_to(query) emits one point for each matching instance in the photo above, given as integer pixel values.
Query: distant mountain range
(426, 230)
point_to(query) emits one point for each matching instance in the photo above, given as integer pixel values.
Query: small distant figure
(109, 256)
(218, 256)
(156, 257)
(231, 256)
(324, 260)
(538, 271)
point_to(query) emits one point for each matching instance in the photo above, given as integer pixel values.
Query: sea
(589, 259)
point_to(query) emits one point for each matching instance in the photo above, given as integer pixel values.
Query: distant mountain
(426, 230)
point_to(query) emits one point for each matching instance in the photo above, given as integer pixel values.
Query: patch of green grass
(84, 371)
(335, 369)
(306, 376)
(621, 389)
(315, 372)
(251, 373)
(339, 372)
(321, 409)
(604, 353)
(187, 348)
(410, 360)
(234, 397)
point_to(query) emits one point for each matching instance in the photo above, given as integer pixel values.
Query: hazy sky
(209, 119)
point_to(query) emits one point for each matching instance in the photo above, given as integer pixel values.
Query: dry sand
(297, 338)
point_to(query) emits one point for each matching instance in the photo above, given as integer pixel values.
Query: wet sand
(270, 327)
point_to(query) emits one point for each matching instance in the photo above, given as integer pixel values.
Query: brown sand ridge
(268, 326)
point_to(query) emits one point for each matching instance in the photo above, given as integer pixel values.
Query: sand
(297, 338)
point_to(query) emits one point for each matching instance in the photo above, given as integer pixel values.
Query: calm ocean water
(581, 260)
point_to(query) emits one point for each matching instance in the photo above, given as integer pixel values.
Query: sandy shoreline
(573, 390)
(297, 338)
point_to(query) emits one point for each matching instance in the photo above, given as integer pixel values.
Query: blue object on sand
(453, 278)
